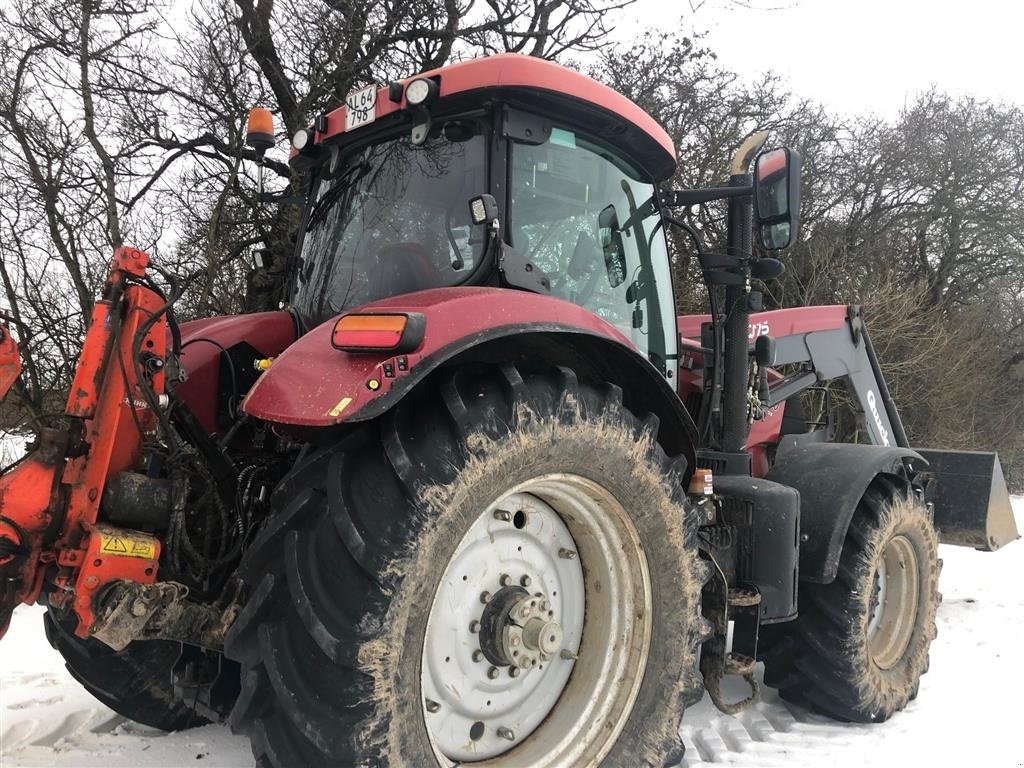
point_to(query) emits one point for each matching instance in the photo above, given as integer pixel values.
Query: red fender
(312, 384)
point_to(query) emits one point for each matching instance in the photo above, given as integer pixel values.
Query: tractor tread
(134, 682)
(314, 637)
(821, 661)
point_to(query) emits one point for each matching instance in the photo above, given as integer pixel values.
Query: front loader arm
(50, 539)
(969, 496)
(828, 342)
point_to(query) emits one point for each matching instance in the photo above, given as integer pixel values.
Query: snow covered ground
(12, 447)
(968, 711)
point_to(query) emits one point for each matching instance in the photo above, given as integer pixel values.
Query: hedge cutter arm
(51, 542)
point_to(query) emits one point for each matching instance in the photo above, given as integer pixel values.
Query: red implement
(50, 501)
(10, 361)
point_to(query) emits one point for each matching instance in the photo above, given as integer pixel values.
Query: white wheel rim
(582, 556)
(894, 614)
(879, 588)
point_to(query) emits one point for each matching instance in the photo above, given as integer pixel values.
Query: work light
(483, 209)
(420, 91)
(302, 139)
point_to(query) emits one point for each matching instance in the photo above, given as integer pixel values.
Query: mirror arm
(676, 198)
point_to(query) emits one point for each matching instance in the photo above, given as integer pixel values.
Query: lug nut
(502, 514)
(478, 655)
(432, 706)
(493, 673)
(485, 597)
(505, 580)
(506, 733)
(514, 671)
(474, 626)
(526, 581)
(566, 554)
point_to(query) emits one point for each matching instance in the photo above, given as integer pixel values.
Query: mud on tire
(343, 577)
(827, 659)
(134, 682)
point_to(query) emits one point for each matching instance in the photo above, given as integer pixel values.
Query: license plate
(361, 107)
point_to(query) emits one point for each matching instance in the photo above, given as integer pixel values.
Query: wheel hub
(531, 635)
(519, 629)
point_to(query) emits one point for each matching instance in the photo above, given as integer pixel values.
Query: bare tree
(123, 122)
(919, 219)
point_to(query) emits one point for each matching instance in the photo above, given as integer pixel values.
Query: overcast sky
(866, 55)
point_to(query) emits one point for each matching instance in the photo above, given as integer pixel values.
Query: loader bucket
(972, 502)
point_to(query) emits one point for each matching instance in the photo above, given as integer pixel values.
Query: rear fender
(832, 479)
(314, 385)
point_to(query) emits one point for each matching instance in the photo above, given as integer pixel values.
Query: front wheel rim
(581, 557)
(895, 600)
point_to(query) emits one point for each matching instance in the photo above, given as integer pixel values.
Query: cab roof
(552, 90)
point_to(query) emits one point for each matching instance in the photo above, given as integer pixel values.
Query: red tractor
(476, 494)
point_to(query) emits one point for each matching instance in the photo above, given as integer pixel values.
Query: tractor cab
(570, 167)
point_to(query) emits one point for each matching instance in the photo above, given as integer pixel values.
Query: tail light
(396, 333)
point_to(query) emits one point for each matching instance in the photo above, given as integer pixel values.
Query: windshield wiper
(341, 185)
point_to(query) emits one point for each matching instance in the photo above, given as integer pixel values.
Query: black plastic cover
(775, 541)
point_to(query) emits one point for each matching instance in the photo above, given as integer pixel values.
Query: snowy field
(967, 712)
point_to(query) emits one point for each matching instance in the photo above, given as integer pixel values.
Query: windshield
(574, 214)
(394, 219)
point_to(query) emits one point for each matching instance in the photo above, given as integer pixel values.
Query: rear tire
(344, 578)
(860, 645)
(134, 682)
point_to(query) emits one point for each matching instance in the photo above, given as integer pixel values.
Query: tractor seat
(403, 268)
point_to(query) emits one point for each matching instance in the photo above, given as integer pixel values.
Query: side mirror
(777, 197)
(610, 235)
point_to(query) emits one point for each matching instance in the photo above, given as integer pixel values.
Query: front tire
(134, 682)
(358, 584)
(860, 645)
